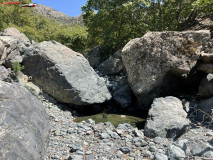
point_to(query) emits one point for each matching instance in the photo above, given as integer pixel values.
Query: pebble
(125, 149)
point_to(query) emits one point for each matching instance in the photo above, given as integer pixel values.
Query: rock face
(24, 127)
(64, 74)
(59, 16)
(206, 86)
(148, 59)
(15, 33)
(97, 55)
(113, 65)
(205, 110)
(166, 118)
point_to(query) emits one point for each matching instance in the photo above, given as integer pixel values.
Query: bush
(17, 67)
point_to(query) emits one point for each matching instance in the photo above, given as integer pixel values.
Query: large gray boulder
(24, 127)
(206, 86)
(166, 118)
(205, 110)
(148, 59)
(113, 65)
(9, 51)
(64, 74)
(15, 33)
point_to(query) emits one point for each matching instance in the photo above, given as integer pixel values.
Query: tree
(115, 22)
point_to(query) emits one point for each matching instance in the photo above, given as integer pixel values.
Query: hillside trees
(40, 28)
(115, 22)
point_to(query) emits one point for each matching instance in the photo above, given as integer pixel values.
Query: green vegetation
(39, 28)
(115, 119)
(107, 22)
(115, 22)
(17, 67)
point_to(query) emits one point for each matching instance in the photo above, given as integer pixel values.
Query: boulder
(113, 65)
(15, 33)
(166, 118)
(64, 74)
(205, 110)
(148, 59)
(206, 86)
(9, 51)
(24, 127)
(4, 74)
(97, 55)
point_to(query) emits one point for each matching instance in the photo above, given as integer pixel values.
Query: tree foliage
(115, 22)
(40, 28)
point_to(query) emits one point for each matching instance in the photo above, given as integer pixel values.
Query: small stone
(175, 152)
(147, 153)
(104, 136)
(114, 135)
(125, 149)
(208, 154)
(75, 157)
(88, 152)
(210, 133)
(152, 148)
(90, 121)
(144, 143)
(159, 156)
(138, 133)
(57, 132)
(76, 147)
(157, 140)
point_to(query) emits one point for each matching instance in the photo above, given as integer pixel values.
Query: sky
(70, 7)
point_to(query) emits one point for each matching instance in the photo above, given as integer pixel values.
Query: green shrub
(17, 67)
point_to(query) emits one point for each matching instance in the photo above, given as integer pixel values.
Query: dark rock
(206, 86)
(64, 74)
(205, 110)
(149, 59)
(166, 118)
(123, 96)
(113, 65)
(125, 150)
(24, 126)
(97, 55)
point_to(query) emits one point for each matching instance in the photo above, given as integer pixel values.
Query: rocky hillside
(59, 16)
(154, 73)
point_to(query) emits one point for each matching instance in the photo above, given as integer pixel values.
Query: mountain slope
(59, 16)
